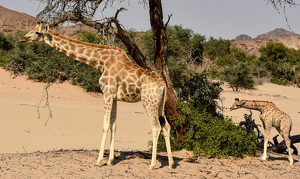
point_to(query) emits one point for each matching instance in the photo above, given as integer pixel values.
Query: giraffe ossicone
(121, 80)
(270, 116)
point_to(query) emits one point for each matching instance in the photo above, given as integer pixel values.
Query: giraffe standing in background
(121, 80)
(270, 116)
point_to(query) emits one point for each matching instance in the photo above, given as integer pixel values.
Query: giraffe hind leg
(152, 111)
(113, 131)
(166, 131)
(286, 136)
(266, 140)
(165, 128)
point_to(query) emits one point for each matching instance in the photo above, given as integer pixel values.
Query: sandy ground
(67, 146)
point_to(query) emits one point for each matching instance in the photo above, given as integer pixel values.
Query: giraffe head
(37, 34)
(237, 104)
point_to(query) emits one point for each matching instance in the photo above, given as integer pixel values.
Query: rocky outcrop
(243, 37)
(279, 32)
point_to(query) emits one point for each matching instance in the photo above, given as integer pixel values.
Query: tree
(281, 61)
(238, 76)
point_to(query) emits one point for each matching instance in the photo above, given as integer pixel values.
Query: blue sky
(217, 18)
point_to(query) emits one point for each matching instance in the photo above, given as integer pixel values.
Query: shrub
(208, 132)
(216, 136)
(5, 44)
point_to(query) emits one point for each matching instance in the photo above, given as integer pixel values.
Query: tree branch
(281, 147)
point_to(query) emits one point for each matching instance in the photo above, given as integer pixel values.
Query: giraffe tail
(290, 130)
(161, 115)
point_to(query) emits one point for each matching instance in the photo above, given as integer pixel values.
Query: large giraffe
(121, 80)
(270, 116)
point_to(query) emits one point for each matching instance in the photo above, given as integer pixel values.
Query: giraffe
(121, 80)
(270, 116)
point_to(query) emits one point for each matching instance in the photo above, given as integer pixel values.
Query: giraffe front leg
(108, 102)
(101, 152)
(266, 140)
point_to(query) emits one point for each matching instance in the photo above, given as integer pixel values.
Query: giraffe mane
(257, 101)
(85, 43)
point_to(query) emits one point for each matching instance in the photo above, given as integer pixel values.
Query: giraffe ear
(243, 103)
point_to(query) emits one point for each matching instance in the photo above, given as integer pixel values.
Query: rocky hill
(243, 37)
(11, 21)
(251, 46)
(277, 33)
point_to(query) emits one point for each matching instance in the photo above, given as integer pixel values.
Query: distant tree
(237, 76)
(281, 61)
(235, 64)
(87, 36)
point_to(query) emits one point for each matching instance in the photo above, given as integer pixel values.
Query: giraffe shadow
(127, 155)
(273, 156)
(282, 157)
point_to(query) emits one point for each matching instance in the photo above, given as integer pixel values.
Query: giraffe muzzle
(23, 40)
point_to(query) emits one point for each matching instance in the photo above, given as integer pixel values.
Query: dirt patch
(80, 164)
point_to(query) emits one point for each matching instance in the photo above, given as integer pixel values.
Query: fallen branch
(281, 147)
(191, 159)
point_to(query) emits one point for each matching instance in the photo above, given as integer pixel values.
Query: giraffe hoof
(151, 167)
(98, 165)
(264, 158)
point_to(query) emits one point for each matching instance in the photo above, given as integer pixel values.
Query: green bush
(43, 63)
(5, 44)
(208, 132)
(210, 135)
(216, 136)
(4, 61)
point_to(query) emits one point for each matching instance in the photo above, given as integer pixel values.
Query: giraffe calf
(270, 116)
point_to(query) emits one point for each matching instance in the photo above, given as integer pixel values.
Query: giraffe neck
(256, 105)
(91, 54)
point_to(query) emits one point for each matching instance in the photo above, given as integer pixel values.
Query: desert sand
(67, 146)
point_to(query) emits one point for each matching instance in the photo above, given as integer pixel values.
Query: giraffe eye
(38, 33)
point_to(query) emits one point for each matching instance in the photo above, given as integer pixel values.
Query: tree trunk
(160, 59)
